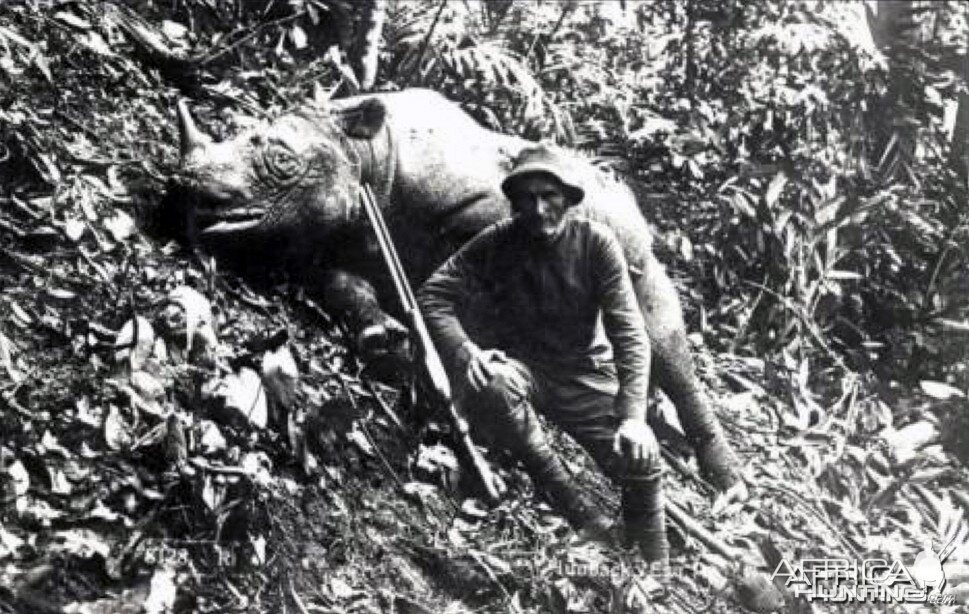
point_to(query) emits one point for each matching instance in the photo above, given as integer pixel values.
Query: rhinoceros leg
(674, 373)
(353, 298)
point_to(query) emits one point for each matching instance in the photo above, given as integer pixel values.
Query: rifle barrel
(389, 251)
(432, 360)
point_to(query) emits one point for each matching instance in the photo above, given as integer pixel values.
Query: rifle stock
(429, 356)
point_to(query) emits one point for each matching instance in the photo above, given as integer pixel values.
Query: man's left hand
(636, 445)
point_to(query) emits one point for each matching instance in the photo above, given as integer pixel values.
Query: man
(549, 284)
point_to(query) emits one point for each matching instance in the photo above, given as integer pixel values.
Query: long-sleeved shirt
(544, 303)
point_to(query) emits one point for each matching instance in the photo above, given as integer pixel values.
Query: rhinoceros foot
(386, 339)
(385, 350)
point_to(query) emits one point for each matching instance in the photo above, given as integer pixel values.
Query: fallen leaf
(740, 403)
(775, 188)
(9, 543)
(161, 597)
(259, 549)
(58, 482)
(211, 438)
(174, 30)
(686, 248)
(83, 543)
(340, 589)
(281, 376)
(21, 479)
(40, 61)
(116, 434)
(199, 321)
(147, 385)
(72, 20)
(37, 511)
(940, 390)
(421, 491)
(135, 351)
(86, 415)
(712, 577)
(730, 501)
(13, 35)
(434, 458)
(20, 314)
(213, 493)
(120, 225)
(244, 393)
(102, 512)
(474, 509)
(641, 593)
(7, 359)
(905, 442)
(359, 438)
(258, 467)
(96, 43)
(299, 37)
(160, 351)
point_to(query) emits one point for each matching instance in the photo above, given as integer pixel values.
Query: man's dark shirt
(542, 303)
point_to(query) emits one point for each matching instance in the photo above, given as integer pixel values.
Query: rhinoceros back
(612, 203)
(449, 171)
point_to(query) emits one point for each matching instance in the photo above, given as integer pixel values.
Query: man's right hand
(480, 365)
(636, 444)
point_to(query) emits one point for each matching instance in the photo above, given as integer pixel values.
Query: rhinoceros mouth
(226, 221)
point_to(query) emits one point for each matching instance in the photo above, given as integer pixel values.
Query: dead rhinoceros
(289, 191)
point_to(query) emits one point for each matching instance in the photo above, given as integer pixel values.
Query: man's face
(540, 205)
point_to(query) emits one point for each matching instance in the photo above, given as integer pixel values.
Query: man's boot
(513, 420)
(554, 482)
(645, 519)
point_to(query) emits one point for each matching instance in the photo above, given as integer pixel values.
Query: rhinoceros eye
(281, 162)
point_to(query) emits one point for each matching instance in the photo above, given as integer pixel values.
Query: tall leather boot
(645, 519)
(553, 481)
(505, 401)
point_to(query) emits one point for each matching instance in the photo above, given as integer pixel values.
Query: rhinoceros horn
(191, 137)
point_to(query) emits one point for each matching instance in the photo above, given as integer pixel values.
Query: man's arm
(623, 323)
(441, 296)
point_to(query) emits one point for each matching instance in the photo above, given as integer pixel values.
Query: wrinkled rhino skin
(290, 188)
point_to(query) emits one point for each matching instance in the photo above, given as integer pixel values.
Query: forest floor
(174, 439)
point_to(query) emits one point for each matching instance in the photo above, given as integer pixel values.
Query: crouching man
(549, 285)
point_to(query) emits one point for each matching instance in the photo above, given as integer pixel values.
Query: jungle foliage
(804, 164)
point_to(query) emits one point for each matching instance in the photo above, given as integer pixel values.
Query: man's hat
(542, 160)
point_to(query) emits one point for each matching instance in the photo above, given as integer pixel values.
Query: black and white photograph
(484, 306)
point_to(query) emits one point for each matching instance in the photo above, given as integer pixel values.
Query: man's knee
(503, 409)
(598, 438)
(506, 391)
(651, 465)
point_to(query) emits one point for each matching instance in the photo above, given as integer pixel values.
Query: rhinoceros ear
(362, 120)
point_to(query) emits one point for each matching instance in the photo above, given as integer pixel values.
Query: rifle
(425, 347)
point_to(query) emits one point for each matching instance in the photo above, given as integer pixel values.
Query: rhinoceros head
(295, 177)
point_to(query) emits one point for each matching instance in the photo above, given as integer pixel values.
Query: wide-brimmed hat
(543, 160)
